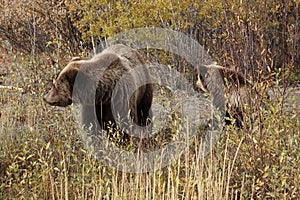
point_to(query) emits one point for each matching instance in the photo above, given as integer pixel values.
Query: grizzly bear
(91, 84)
(238, 90)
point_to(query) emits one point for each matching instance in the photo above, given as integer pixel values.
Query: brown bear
(237, 94)
(90, 83)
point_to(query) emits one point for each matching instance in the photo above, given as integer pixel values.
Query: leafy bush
(37, 26)
(42, 155)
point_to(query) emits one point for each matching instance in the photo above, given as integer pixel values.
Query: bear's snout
(54, 100)
(44, 98)
(48, 100)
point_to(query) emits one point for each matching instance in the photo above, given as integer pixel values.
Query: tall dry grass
(42, 155)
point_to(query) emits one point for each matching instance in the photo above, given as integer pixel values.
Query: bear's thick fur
(90, 83)
(238, 90)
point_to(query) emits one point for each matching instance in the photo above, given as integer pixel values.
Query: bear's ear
(234, 77)
(77, 58)
(71, 75)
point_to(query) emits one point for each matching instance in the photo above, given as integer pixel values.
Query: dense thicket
(242, 34)
(259, 38)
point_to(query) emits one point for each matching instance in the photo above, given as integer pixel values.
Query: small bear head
(60, 93)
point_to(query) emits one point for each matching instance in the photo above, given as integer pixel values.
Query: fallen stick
(8, 87)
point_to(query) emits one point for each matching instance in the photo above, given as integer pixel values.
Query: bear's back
(118, 49)
(124, 53)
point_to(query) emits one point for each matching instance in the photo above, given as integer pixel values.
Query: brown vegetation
(41, 159)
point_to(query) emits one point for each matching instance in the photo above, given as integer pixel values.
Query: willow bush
(257, 38)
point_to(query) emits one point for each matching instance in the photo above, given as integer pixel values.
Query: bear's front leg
(89, 118)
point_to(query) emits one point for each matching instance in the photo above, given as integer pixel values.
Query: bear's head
(60, 93)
